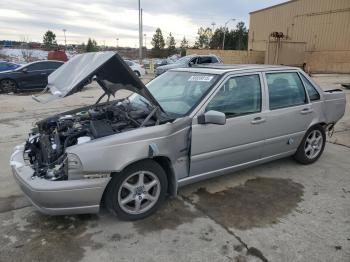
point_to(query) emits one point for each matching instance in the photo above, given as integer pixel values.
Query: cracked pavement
(280, 211)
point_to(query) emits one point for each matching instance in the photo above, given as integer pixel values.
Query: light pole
(140, 32)
(117, 42)
(223, 41)
(144, 35)
(65, 40)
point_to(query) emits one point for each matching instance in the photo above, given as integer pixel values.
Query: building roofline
(273, 6)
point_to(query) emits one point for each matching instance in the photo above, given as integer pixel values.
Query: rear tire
(138, 191)
(312, 146)
(8, 86)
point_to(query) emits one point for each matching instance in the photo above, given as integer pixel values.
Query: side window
(204, 60)
(311, 90)
(239, 95)
(194, 61)
(37, 66)
(285, 90)
(53, 65)
(214, 59)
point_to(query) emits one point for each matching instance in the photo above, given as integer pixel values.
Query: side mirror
(190, 64)
(212, 117)
(25, 70)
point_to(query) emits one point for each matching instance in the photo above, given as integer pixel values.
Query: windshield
(178, 92)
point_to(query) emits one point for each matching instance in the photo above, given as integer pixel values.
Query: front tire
(312, 146)
(138, 191)
(8, 86)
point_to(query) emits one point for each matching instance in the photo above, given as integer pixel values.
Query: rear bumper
(57, 197)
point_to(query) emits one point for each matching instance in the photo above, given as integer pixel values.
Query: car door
(33, 76)
(289, 115)
(215, 148)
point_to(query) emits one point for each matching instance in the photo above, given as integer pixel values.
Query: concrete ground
(281, 211)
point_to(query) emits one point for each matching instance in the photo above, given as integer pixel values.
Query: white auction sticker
(201, 78)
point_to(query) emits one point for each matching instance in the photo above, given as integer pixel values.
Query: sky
(107, 20)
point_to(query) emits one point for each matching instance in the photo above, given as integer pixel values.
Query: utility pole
(65, 40)
(144, 35)
(140, 32)
(117, 42)
(223, 41)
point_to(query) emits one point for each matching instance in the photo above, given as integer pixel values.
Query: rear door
(289, 115)
(216, 148)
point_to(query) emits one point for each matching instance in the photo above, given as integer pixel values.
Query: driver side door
(220, 148)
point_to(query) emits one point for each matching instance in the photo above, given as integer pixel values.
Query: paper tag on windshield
(201, 78)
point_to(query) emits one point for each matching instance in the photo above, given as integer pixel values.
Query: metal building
(315, 33)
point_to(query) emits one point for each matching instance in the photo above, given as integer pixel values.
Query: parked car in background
(138, 69)
(188, 61)
(187, 125)
(28, 77)
(8, 66)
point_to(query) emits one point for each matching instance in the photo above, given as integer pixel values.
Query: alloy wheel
(139, 192)
(313, 144)
(8, 86)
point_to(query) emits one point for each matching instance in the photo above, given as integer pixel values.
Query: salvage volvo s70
(187, 125)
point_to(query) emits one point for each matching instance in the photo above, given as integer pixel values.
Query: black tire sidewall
(111, 196)
(14, 89)
(300, 155)
(137, 73)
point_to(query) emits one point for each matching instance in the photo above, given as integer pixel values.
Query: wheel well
(322, 124)
(165, 163)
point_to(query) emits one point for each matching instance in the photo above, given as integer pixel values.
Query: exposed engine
(46, 146)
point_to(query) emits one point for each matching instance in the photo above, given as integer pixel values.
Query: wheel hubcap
(139, 192)
(313, 144)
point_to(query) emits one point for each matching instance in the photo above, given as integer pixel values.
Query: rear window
(310, 89)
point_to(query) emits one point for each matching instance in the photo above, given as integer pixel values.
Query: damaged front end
(45, 149)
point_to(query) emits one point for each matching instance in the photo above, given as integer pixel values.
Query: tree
(158, 40)
(241, 36)
(170, 41)
(203, 38)
(49, 40)
(91, 46)
(183, 46)
(236, 39)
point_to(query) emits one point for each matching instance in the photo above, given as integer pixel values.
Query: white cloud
(106, 20)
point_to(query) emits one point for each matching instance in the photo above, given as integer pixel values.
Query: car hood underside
(109, 70)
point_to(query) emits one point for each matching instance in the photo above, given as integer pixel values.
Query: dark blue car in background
(6, 66)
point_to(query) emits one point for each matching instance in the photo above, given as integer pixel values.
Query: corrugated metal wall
(323, 24)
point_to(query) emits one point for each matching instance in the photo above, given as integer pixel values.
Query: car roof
(225, 68)
(41, 61)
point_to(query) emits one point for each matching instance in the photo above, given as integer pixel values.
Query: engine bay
(45, 149)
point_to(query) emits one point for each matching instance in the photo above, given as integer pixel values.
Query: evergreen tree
(91, 46)
(183, 46)
(49, 40)
(171, 44)
(158, 40)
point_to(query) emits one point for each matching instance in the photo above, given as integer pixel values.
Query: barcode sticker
(200, 78)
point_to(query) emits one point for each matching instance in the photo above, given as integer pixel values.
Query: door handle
(306, 111)
(258, 120)
(43, 73)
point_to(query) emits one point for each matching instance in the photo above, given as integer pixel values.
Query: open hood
(111, 72)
